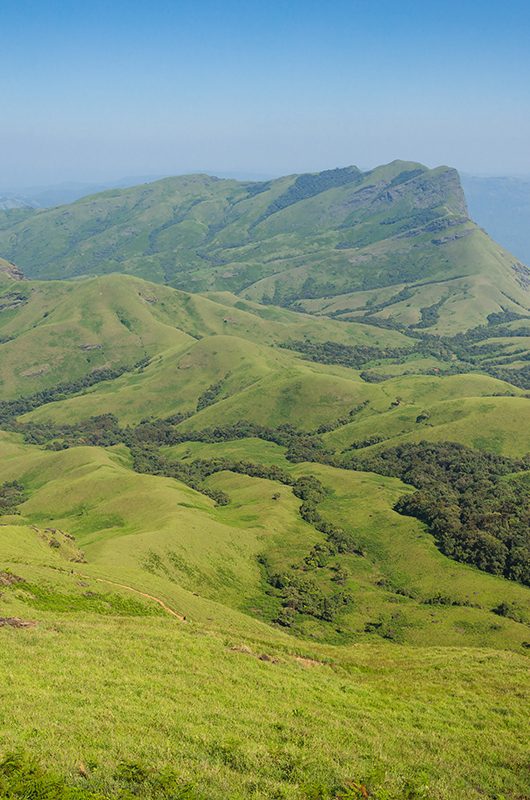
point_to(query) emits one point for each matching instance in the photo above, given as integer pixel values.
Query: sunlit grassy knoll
(296, 391)
(495, 424)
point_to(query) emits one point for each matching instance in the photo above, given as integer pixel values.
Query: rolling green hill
(62, 330)
(220, 576)
(394, 243)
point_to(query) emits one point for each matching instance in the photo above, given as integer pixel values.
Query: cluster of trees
(210, 395)
(11, 495)
(430, 315)
(362, 443)
(306, 186)
(375, 377)
(302, 595)
(99, 431)
(299, 594)
(475, 514)
(310, 490)
(518, 377)
(345, 355)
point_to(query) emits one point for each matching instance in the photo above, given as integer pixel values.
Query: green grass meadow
(142, 647)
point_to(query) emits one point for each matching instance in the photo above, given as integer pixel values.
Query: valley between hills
(264, 493)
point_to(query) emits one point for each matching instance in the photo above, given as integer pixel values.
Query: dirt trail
(160, 602)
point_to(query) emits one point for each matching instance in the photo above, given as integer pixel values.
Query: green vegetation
(458, 354)
(291, 737)
(392, 245)
(250, 552)
(475, 516)
(11, 495)
(347, 356)
(209, 396)
(13, 408)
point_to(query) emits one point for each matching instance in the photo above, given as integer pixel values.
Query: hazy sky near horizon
(101, 90)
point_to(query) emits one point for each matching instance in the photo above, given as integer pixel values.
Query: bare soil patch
(16, 622)
(9, 579)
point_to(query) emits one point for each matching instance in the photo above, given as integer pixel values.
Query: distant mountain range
(394, 245)
(500, 205)
(61, 193)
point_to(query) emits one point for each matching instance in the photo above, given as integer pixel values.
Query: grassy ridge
(392, 243)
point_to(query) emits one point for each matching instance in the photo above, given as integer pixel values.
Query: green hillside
(58, 330)
(394, 243)
(328, 699)
(218, 575)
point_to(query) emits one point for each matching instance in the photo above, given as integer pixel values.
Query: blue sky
(101, 90)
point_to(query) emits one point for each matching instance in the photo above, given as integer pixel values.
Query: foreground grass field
(240, 716)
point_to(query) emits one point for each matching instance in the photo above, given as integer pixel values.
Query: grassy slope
(474, 278)
(298, 393)
(159, 535)
(374, 714)
(398, 714)
(63, 330)
(461, 407)
(496, 424)
(357, 238)
(396, 717)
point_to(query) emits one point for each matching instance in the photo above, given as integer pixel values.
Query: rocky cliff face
(9, 269)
